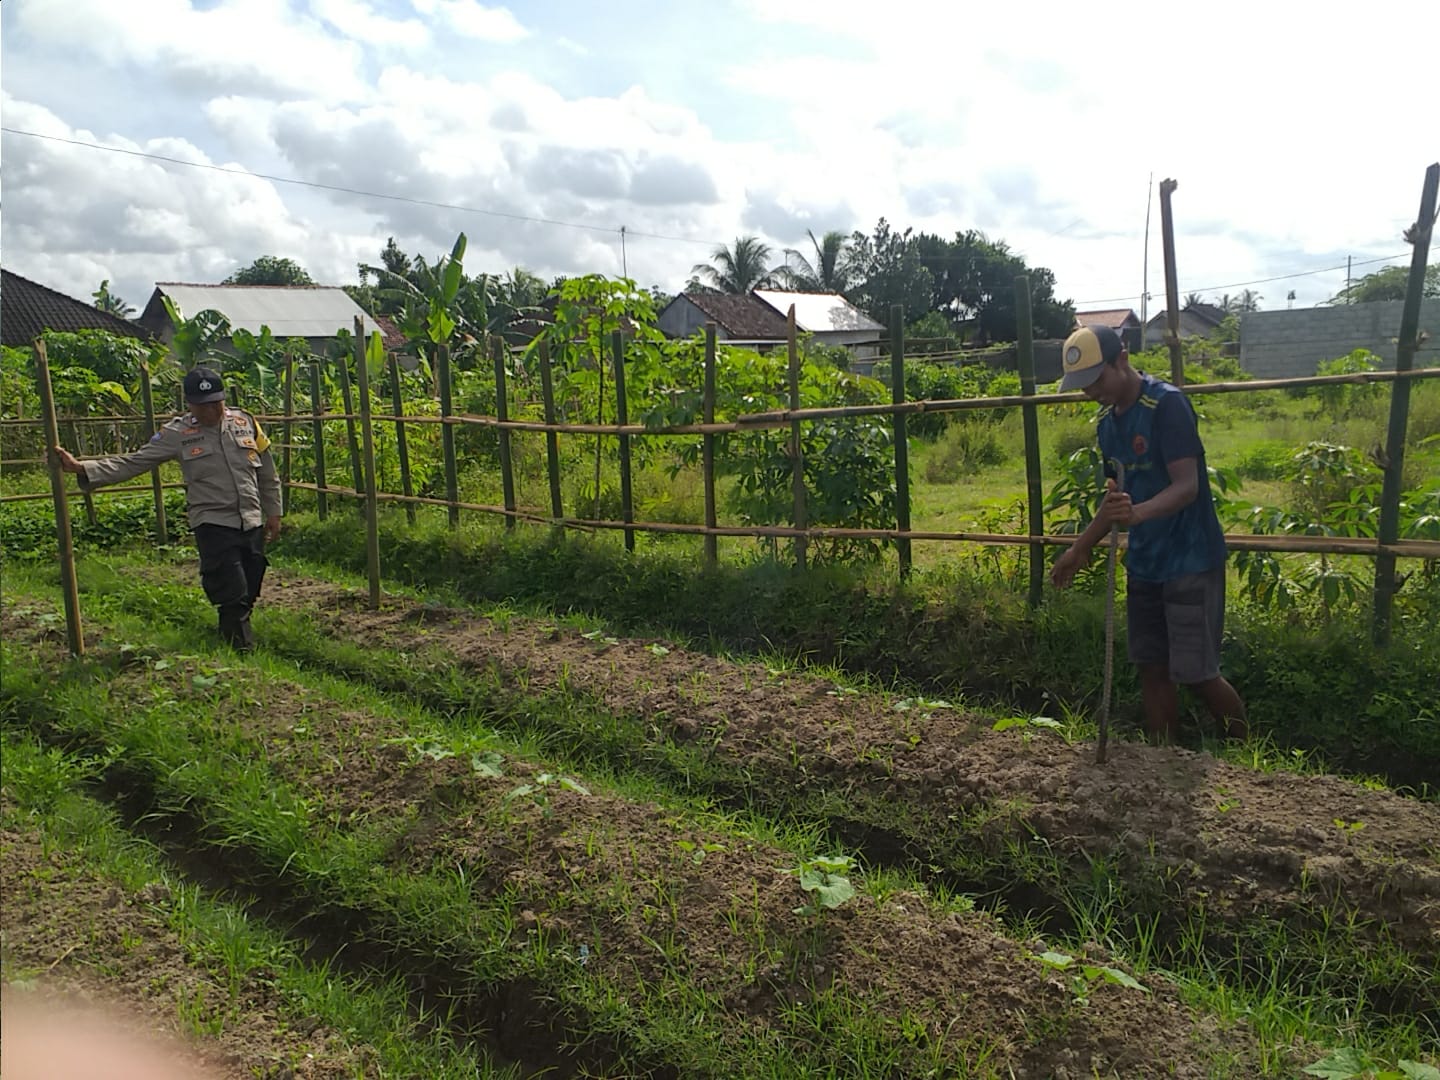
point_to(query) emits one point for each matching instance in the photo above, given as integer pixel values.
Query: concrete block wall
(1289, 344)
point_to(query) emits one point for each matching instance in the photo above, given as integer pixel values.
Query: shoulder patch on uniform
(157, 437)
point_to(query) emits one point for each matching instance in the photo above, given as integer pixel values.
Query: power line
(355, 191)
(1258, 281)
(620, 232)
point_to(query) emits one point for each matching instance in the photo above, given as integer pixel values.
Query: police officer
(231, 486)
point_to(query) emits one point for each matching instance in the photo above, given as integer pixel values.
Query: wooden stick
(1409, 342)
(317, 428)
(447, 433)
(1172, 291)
(797, 457)
(502, 413)
(367, 436)
(356, 472)
(128, 489)
(402, 445)
(147, 400)
(1035, 506)
(74, 632)
(285, 432)
(902, 438)
(707, 452)
(552, 440)
(622, 416)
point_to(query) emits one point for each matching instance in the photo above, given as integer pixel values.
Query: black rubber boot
(235, 627)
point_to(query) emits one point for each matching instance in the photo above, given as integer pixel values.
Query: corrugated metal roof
(312, 311)
(820, 313)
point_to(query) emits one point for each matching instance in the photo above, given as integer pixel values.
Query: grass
(1287, 989)
(48, 789)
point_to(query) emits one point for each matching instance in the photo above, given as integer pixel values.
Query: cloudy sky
(541, 129)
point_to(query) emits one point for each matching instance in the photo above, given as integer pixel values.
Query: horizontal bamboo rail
(77, 492)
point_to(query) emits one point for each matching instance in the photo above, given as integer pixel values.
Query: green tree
(105, 300)
(739, 269)
(974, 281)
(270, 270)
(828, 271)
(1388, 284)
(1248, 300)
(887, 269)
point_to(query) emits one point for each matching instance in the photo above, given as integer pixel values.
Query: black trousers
(232, 566)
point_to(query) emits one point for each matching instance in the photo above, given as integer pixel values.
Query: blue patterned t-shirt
(1158, 429)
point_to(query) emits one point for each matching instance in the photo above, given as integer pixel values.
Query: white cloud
(475, 20)
(356, 19)
(74, 215)
(239, 46)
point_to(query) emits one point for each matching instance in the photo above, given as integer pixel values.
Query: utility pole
(1348, 298)
(1145, 263)
(624, 266)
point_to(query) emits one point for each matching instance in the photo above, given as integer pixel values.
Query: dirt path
(1238, 843)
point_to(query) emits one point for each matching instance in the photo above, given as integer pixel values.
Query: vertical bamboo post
(357, 474)
(707, 452)
(552, 439)
(147, 400)
(447, 434)
(797, 457)
(902, 441)
(1172, 291)
(73, 630)
(402, 445)
(502, 413)
(367, 437)
(317, 429)
(1405, 349)
(286, 432)
(622, 414)
(1025, 356)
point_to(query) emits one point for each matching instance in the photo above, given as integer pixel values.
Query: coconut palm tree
(828, 272)
(105, 300)
(738, 269)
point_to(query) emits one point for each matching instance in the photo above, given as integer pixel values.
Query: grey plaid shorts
(1178, 623)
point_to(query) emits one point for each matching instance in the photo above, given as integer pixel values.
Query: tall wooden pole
(1026, 359)
(707, 452)
(367, 437)
(74, 633)
(402, 445)
(622, 417)
(317, 432)
(552, 439)
(1172, 292)
(797, 456)
(447, 434)
(502, 413)
(286, 431)
(1409, 342)
(902, 440)
(147, 399)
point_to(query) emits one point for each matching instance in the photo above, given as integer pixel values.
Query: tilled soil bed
(614, 886)
(1188, 833)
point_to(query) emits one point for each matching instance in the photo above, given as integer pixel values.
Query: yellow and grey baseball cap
(1086, 352)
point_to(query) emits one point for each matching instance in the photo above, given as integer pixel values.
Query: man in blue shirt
(1175, 558)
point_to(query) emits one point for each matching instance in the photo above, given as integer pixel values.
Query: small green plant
(1083, 976)
(1028, 725)
(825, 880)
(1349, 827)
(1348, 1063)
(697, 852)
(539, 791)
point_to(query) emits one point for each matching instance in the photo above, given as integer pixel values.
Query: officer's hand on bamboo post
(272, 529)
(68, 462)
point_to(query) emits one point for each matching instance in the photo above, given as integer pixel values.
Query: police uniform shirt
(230, 476)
